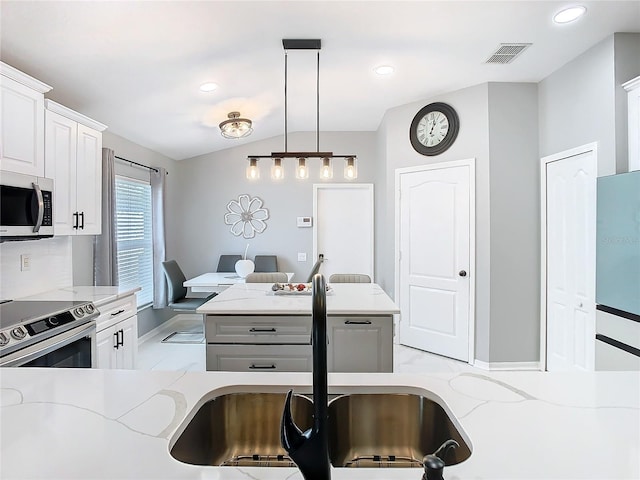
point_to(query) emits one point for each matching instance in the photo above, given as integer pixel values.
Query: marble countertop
(343, 299)
(118, 424)
(98, 295)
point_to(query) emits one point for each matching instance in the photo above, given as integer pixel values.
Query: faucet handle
(291, 437)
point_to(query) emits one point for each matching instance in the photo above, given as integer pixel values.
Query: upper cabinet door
(22, 128)
(89, 180)
(60, 148)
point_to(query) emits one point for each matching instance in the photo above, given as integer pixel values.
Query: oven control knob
(89, 308)
(3, 339)
(79, 312)
(53, 321)
(18, 333)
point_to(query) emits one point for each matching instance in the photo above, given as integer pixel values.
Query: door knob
(462, 273)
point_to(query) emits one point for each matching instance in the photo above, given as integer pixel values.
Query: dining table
(218, 281)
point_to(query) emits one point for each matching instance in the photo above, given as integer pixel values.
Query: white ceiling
(137, 66)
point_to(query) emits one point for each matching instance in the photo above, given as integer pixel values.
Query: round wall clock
(434, 129)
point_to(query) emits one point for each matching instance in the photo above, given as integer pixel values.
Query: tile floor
(155, 355)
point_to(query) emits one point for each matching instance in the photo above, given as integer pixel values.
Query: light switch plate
(302, 257)
(25, 262)
(304, 222)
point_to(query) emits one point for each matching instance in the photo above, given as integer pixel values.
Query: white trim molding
(73, 115)
(20, 77)
(505, 366)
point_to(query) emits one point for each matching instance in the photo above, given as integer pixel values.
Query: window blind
(133, 237)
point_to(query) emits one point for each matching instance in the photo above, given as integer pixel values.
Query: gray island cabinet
(249, 328)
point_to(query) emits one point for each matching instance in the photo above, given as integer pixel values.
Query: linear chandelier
(302, 169)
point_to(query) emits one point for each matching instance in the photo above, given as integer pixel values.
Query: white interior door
(570, 260)
(343, 227)
(435, 243)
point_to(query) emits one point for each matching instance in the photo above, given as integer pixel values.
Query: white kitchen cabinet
(360, 344)
(633, 92)
(21, 122)
(73, 158)
(117, 334)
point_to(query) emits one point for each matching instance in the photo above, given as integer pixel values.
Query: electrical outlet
(302, 257)
(25, 262)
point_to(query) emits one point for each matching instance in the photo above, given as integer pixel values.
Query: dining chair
(177, 293)
(267, 277)
(266, 263)
(227, 263)
(349, 278)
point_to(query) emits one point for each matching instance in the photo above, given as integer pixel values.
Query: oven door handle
(47, 346)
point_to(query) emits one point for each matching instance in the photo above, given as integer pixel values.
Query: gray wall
(515, 222)
(626, 66)
(208, 182)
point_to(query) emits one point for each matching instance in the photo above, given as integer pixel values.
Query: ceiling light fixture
(208, 87)
(569, 14)
(384, 70)
(235, 127)
(302, 170)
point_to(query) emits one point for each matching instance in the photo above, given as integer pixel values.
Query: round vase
(244, 268)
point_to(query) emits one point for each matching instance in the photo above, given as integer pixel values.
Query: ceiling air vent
(506, 52)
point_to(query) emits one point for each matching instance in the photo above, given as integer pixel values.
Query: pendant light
(302, 169)
(253, 173)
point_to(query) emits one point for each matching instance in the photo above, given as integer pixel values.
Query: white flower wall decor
(246, 216)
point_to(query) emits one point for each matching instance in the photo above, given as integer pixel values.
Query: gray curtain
(105, 262)
(157, 219)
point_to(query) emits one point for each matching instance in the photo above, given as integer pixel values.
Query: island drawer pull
(262, 330)
(117, 313)
(262, 367)
(357, 322)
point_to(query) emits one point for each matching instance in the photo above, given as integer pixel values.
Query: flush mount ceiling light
(235, 127)
(302, 169)
(569, 14)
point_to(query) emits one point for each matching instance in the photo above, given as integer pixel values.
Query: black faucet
(434, 464)
(310, 450)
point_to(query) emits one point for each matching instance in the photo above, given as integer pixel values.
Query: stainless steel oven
(48, 334)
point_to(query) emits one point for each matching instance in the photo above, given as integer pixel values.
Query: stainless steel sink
(240, 429)
(389, 430)
(365, 430)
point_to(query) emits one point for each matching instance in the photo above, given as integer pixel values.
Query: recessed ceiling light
(208, 87)
(384, 70)
(569, 14)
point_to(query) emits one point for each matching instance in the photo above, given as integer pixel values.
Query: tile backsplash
(51, 266)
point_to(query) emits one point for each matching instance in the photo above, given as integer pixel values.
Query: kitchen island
(250, 327)
(116, 424)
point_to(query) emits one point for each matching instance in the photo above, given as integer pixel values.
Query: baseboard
(168, 325)
(503, 366)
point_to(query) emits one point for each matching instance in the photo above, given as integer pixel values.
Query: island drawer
(259, 358)
(248, 329)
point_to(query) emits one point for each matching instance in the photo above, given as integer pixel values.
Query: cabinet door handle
(262, 330)
(117, 313)
(75, 220)
(116, 341)
(120, 338)
(262, 367)
(357, 322)
(82, 215)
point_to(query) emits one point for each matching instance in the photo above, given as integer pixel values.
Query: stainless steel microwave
(26, 207)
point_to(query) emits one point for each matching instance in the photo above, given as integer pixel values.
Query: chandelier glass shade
(236, 127)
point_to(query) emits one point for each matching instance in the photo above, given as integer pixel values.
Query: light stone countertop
(98, 295)
(117, 424)
(258, 299)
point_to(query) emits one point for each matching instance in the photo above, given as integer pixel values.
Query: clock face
(434, 129)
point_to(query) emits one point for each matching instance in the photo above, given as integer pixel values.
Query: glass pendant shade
(350, 169)
(302, 171)
(253, 172)
(277, 172)
(326, 171)
(235, 127)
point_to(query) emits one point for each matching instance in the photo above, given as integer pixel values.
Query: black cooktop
(19, 311)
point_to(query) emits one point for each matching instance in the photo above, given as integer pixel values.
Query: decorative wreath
(246, 216)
